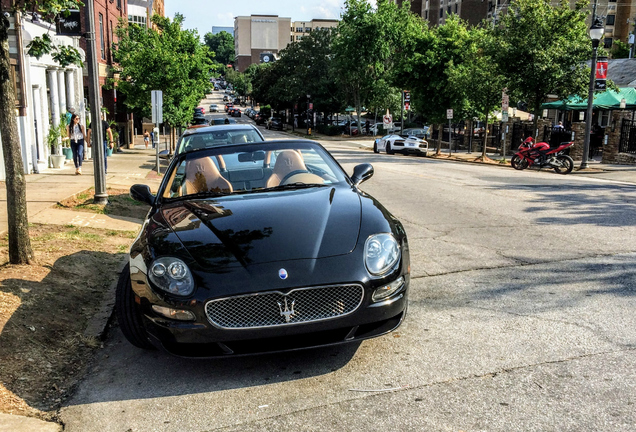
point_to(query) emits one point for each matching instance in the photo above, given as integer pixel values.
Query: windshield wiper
(290, 186)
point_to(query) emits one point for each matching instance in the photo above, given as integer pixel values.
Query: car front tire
(128, 314)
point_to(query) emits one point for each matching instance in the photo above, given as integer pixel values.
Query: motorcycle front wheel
(566, 164)
(518, 163)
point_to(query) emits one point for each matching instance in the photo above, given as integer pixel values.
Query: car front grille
(275, 308)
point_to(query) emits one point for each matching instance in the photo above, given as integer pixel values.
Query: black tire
(567, 165)
(518, 163)
(128, 314)
(389, 150)
(375, 148)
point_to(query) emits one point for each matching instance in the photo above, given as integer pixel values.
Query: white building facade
(49, 92)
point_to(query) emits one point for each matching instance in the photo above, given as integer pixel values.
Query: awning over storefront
(607, 100)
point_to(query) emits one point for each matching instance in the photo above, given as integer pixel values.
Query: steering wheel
(291, 174)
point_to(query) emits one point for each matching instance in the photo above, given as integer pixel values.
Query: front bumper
(202, 339)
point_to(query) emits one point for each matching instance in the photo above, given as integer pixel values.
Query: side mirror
(164, 154)
(361, 173)
(141, 193)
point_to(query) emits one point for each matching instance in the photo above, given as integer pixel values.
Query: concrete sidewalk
(51, 186)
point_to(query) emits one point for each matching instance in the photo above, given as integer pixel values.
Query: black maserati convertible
(262, 247)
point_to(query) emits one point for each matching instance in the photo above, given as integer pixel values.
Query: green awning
(607, 100)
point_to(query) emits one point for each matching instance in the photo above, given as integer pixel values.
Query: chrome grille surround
(269, 309)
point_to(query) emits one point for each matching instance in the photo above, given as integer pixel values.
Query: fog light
(388, 290)
(176, 314)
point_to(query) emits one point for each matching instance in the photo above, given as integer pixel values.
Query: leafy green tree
(478, 77)
(165, 58)
(20, 251)
(542, 48)
(620, 50)
(426, 73)
(221, 47)
(369, 45)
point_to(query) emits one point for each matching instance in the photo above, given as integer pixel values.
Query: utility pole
(101, 196)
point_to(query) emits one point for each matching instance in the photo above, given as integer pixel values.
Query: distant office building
(219, 29)
(259, 38)
(303, 28)
(259, 34)
(140, 11)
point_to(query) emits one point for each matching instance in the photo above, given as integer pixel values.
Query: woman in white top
(76, 134)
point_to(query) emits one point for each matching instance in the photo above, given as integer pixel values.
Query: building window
(455, 7)
(299, 29)
(608, 42)
(118, 4)
(604, 121)
(610, 20)
(307, 29)
(101, 36)
(448, 11)
(426, 15)
(441, 12)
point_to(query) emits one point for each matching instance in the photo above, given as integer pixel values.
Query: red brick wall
(110, 13)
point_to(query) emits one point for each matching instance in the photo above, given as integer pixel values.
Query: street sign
(504, 116)
(69, 25)
(311, 106)
(407, 105)
(505, 101)
(449, 114)
(407, 96)
(156, 97)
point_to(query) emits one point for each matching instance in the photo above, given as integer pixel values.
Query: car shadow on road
(123, 372)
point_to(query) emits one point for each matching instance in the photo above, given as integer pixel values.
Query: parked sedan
(274, 123)
(417, 132)
(227, 264)
(401, 144)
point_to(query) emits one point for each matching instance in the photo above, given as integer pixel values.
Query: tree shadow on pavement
(43, 350)
(605, 205)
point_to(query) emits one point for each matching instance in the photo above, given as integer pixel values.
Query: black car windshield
(254, 168)
(199, 141)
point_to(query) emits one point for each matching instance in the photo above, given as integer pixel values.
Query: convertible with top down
(261, 247)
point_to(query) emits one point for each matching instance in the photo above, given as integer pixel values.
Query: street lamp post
(596, 33)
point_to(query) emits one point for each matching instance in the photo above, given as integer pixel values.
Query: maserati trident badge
(287, 313)
(282, 273)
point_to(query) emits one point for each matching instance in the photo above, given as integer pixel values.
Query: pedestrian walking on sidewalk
(108, 141)
(76, 134)
(146, 137)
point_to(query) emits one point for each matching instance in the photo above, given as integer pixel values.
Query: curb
(98, 324)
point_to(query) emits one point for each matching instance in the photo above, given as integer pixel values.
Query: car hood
(262, 227)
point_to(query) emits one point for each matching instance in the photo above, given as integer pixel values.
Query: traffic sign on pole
(449, 114)
(156, 97)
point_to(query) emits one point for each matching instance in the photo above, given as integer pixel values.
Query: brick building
(107, 15)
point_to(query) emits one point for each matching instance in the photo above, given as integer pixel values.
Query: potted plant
(52, 139)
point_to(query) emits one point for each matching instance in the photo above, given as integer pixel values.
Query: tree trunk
(440, 134)
(485, 141)
(20, 251)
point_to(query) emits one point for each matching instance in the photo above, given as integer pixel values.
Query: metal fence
(556, 135)
(627, 143)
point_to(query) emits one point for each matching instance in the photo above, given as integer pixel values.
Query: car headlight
(381, 252)
(171, 275)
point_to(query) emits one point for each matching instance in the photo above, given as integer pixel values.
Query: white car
(401, 144)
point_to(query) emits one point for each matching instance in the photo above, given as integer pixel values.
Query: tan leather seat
(286, 162)
(202, 175)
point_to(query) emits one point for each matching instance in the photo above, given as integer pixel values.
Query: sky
(203, 14)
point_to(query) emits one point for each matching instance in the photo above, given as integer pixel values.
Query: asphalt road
(521, 317)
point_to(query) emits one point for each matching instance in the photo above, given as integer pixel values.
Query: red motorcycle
(541, 155)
